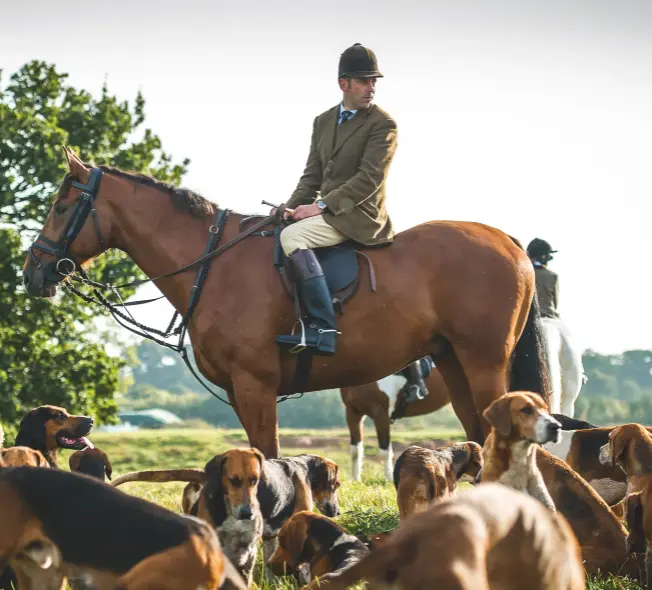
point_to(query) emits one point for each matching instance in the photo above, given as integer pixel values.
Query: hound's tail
(162, 476)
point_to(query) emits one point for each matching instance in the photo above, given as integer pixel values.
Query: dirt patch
(427, 444)
(341, 442)
(302, 442)
(312, 442)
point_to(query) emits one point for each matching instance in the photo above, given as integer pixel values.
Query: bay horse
(376, 400)
(461, 292)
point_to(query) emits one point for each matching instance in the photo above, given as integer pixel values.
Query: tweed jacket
(547, 285)
(347, 168)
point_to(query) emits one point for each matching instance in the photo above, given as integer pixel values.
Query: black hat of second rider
(358, 62)
(538, 247)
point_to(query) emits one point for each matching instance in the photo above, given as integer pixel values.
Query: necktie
(345, 116)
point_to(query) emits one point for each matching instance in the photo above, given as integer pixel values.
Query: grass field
(369, 506)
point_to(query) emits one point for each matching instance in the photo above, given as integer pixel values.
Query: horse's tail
(529, 369)
(568, 423)
(162, 476)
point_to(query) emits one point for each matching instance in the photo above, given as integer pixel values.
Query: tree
(38, 114)
(162, 368)
(46, 356)
(48, 352)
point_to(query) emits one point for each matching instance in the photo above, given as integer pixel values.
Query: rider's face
(358, 92)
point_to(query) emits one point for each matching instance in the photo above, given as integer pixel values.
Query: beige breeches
(312, 232)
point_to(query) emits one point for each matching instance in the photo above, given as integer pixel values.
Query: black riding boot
(320, 327)
(416, 388)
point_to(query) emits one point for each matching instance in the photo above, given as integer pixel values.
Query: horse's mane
(183, 199)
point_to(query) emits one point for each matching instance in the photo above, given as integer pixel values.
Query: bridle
(65, 263)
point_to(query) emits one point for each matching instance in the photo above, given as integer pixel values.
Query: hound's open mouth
(74, 442)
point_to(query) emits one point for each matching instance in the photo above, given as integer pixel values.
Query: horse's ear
(76, 167)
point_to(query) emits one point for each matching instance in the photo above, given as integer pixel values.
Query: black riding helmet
(540, 250)
(358, 62)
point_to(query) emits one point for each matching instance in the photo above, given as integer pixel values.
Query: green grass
(367, 507)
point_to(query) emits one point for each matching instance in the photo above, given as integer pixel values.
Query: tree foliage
(48, 350)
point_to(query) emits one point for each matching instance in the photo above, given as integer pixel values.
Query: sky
(532, 116)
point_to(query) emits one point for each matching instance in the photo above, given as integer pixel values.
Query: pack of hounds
(534, 518)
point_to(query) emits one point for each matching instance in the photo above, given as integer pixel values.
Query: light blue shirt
(342, 109)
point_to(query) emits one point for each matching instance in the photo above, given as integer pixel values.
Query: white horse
(564, 367)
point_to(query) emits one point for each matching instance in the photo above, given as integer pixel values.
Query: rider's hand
(305, 211)
(287, 213)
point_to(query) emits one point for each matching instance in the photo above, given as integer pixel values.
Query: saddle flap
(340, 265)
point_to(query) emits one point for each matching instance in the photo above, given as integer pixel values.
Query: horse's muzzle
(36, 284)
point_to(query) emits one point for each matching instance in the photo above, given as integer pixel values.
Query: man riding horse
(341, 196)
(564, 361)
(547, 281)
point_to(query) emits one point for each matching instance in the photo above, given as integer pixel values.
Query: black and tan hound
(424, 476)
(55, 524)
(225, 494)
(50, 428)
(93, 462)
(313, 539)
(287, 485)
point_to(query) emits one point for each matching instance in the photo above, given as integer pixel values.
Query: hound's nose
(245, 513)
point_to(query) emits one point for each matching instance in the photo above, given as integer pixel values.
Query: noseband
(66, 264)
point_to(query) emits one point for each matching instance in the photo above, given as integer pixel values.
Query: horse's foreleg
(460, 396)
(354, 422)
(256, 407)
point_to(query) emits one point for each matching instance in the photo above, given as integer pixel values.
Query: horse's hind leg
(552, 338)
(460, 395)
(381, 420)
(571, 373)
(354, 422)
(256, 408)
(487, 382)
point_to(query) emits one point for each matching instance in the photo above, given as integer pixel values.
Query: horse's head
(74, 232)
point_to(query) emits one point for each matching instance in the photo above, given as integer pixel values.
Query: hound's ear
(619, 446)
(498, 414)
(108, 468)
(215, 468)
(475, 459)
(261, 459)
(74, 460)
(31, 432)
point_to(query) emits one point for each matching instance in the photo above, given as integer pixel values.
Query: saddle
(340, 265)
